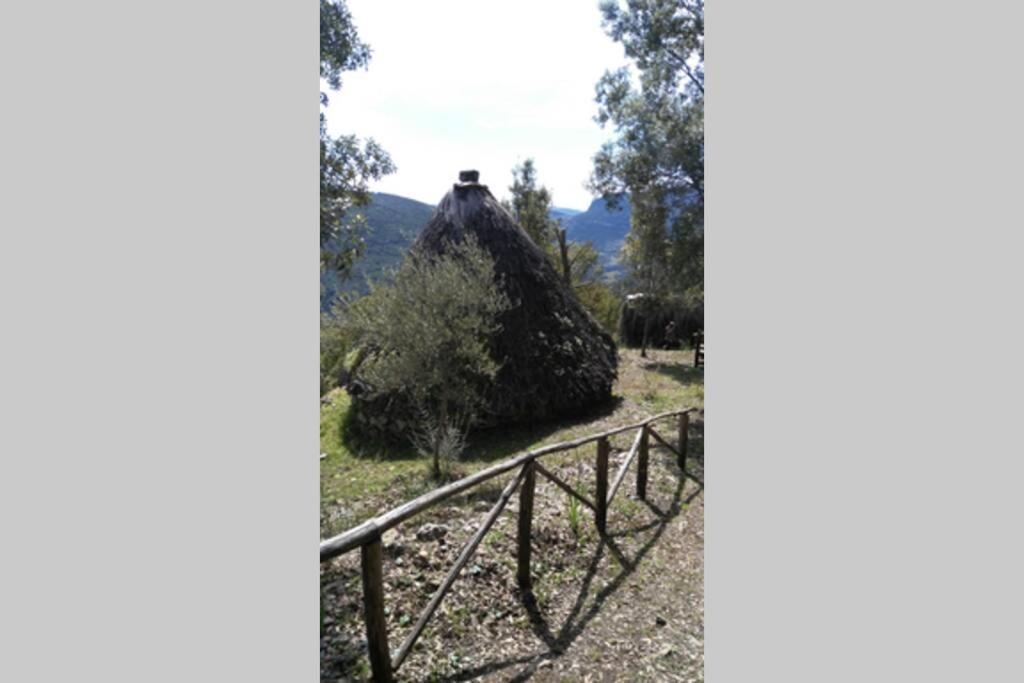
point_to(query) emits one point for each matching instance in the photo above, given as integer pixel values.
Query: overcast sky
(456, 84)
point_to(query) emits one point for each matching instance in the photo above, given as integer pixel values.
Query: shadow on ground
(557, 642)
(684, 373)
(498, 443)
(484, 445)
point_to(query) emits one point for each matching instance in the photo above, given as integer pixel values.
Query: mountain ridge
(393, 222)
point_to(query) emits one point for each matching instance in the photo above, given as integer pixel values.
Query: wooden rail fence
(367, 536)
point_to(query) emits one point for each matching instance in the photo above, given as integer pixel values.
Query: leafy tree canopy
(578, 262)
(656, 154)
(340, 47)
(347, 164)
(530, 204)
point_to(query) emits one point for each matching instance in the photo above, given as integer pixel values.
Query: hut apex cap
(469, 179)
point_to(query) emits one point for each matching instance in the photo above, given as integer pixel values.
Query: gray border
(158, 490)
(863, 341)
(159, 364)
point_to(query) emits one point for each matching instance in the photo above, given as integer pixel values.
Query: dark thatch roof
(557, 360)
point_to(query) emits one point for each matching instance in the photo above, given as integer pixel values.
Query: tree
(580, 261)
(577, 262)
(530, 205)
(601, 302)
(647, 258)
(427, 335)
(347, 165)
(656, 156)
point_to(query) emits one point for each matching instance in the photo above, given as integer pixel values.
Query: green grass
(343, 476)
(574, 515)
(351, 484)
(459, 620)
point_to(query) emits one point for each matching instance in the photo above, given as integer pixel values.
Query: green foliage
(426, 335)
(334, 349)
(577, 262)
(347, 165)
(601, 302)
(657, 154)
(574, 515)
(647, 253)
(584, 262)
(340, 47)
(584, 274)
(392, 224)
(531, 204)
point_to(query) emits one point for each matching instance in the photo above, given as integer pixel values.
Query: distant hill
(606, 229)
(557, 212)
(393, 223)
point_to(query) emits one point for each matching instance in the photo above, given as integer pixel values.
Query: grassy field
(355, 486)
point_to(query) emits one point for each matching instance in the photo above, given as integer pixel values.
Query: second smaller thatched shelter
(665, 323)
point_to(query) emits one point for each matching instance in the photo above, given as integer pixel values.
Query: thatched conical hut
(557, 360)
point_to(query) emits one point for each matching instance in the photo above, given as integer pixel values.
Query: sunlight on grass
(351, 484)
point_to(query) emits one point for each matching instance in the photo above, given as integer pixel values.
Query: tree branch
(686, 69)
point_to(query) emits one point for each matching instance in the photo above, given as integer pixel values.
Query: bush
(334, 347)
(425, 335)
(601, 302)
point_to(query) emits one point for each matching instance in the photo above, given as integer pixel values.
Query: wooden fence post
(525, 523)
(641, 465)
(373, 604)
(601, 495)
(684, 428)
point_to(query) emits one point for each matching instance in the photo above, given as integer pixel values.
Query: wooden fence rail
(367, 536)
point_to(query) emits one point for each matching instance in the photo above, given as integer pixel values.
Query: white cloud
(455, 84)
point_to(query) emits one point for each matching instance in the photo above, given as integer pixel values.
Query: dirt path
(644, 620)
(629, 607)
